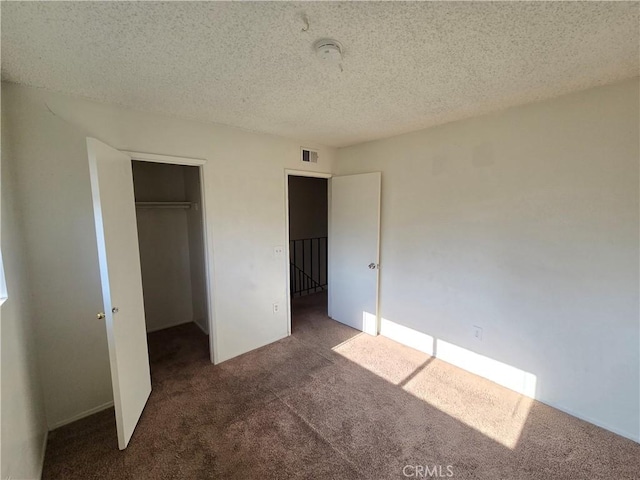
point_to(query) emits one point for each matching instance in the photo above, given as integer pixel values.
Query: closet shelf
(184, 205)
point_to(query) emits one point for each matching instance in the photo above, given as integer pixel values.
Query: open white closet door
(119, 259)
(354, 238)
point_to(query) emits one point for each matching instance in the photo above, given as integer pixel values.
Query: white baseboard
(500, 373)
(407, 336)
(238, 353)
(42, 454)
(81, 415)
(201, 327)
(597, 423)
(483, 366)
(164, 327)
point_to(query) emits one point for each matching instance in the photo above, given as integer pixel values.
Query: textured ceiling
(407, 66)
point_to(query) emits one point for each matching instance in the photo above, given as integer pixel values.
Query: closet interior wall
(171, 244)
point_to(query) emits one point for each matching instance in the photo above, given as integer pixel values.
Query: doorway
(308, 244)
(168, 200)
(350, 255)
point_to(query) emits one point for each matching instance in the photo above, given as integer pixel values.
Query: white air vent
(309, 156)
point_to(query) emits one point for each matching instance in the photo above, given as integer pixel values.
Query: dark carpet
(331, 403)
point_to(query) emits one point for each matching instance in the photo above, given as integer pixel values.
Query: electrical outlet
(276, 307)
(278, 251)
(477, 332)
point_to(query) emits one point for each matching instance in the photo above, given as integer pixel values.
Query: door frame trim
(153, 157)
(287, 254)
(207, 237)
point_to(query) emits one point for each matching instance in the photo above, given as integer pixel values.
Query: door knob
(373, 266)
(102, 316)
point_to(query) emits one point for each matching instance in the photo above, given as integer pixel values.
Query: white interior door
(354, 237)
(119, 258)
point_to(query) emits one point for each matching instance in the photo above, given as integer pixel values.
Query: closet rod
(166, 205)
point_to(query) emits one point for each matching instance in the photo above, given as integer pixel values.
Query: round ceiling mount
(329, 50)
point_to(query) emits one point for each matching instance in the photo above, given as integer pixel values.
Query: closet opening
(171, 240)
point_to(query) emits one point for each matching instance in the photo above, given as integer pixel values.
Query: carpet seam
(315, 350)
(317, 432)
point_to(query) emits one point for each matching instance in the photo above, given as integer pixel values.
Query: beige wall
(245, 208)
(24, 425)
(525, 223)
